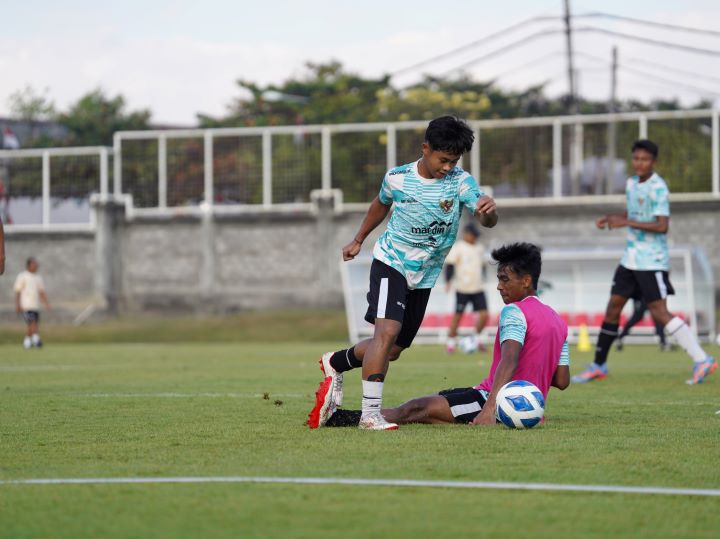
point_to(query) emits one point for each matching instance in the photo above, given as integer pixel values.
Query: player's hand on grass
(485, 418)
(351, 250)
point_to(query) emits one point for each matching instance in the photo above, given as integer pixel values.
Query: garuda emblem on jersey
(446, 204)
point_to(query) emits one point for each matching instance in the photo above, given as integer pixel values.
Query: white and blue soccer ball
(469, 344)
(519, 405)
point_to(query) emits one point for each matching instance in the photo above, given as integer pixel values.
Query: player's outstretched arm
(376, 214)
(510, 357)
(486, 211)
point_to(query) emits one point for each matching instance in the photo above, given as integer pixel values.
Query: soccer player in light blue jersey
(428, 196)
(643, 270)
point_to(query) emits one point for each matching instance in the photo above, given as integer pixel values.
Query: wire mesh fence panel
(516, 161)
(237, 170)
(685, 157)
(140, 172)
(185, 171)
(409, 143)
(296, 167)
(21, 190)
(359, 163)
(73, 179)
(598, 170)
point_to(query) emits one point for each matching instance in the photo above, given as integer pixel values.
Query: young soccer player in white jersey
(644, 267)
(428, 196)
(531, 344)
(464, 268)
(29, 290)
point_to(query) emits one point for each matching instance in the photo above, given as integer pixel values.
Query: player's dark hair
(521, 258)
(449, 134)
(472, 229)
(29, 261)
(647, 145)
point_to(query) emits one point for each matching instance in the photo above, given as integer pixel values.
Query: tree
(95, 117)
(31, 106)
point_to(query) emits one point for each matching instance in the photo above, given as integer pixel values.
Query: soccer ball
(469, 344)
(519, 405)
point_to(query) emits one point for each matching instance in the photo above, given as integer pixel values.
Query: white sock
(27, 342)
(35, 338)
(452, 341)
(681, 332)
(372, 397)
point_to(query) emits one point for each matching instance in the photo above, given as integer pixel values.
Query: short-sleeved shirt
(543, 336)
(468, 259)
(424, 222)
(646, 201)
(29, 286)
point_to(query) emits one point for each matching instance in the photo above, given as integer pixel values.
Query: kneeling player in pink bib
(531, 344)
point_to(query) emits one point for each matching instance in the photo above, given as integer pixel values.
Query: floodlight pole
(576, 132)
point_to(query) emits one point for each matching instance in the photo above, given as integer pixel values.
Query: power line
(534, 62)
(665, 44)
(652, 76)
(473, 44)
(515, 44)
(676, 70)
(666, 68)
(668, 26)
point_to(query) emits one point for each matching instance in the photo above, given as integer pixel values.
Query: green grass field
(238, 409)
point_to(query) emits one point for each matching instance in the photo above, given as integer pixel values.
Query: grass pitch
(223, 409)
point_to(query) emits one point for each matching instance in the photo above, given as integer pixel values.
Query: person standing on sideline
(464, 268)
(29, 291)
(428, 197)
(644, 268)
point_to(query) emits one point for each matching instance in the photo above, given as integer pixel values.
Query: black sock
(608, 332)
(344, 418)
(345, 360)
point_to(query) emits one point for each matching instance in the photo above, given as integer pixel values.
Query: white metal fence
(543, 157)
(50, 188)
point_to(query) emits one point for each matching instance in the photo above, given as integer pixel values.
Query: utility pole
(576, 138)
(572, 104)
(612, 125)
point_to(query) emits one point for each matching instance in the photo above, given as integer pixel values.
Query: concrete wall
(271, 259)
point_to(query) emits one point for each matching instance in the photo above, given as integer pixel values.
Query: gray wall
(270, 259)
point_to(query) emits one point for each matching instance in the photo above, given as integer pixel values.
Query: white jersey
(29, 285)
(468, 259)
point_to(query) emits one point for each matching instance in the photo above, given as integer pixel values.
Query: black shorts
(390, 297)
(465, 402)
(31, 316)
(650, 285)
(477, 300)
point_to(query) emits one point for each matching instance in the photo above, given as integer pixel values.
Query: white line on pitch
(373, 482)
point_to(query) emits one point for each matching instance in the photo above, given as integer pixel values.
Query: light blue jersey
(425, 220)
(646, 201)
(513, 326)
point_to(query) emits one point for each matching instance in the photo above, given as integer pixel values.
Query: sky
(179, 58)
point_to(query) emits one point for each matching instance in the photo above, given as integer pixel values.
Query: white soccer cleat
(376, 422)
(337, 377)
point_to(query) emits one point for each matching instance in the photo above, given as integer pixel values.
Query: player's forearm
(561, 378)
(659, 227)
(376, 214)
